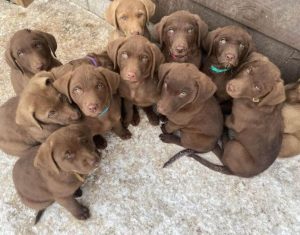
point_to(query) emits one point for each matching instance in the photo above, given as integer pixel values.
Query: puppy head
(230, 45)
(182, 84)
(259, 81)
(130, 16)
(40, 103)
(292, 92)
(70, 149)
(136, 58)
(30, 51)
(89, 87)
(181, 32)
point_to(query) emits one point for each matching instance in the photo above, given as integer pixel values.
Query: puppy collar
(93, 60)
(79, 177)
(104, 111)
(217, 70)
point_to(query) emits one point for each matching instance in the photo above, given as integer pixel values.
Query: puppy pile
(210, 90)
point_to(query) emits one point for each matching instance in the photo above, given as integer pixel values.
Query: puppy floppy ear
(25, 115)
(202, 29)
(163, 72)
(150, 8)
(250, 47)
(44, 158)
(208, 42)
(110, 14)
(276, 96)
(50, 39)
(113, 48)
(10, 60)
(112, 79)
(157, 58)
(206, 87)
(62, 85)
(159, 30)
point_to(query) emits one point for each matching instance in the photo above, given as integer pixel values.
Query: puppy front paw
(135, 119)
(153, 119)
(126, 134)
(168, 138)
(100, 142)
(163, 129)
(83, 213)
(77, 193)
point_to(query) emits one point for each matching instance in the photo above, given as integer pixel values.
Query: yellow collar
(79, 177)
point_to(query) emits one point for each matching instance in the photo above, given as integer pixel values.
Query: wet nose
(180, 49)
(131, 75)
(92, 107)
(135, 33)
(93, 161)
(230, 56)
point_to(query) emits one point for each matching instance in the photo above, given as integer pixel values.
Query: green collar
(217, 70)
(105, 110)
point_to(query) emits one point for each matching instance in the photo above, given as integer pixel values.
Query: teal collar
(105, 110)
(217, 70)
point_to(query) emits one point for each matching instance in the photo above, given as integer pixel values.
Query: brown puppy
(130, 17)
(28, 120)
(255, 125)
(227, 48)
(180, 35)
(291, 122)
(94, 90)
(137, 60)
(188, 103)
(55, 170)
(29, 52)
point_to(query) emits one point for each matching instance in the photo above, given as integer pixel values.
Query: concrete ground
(130, 193)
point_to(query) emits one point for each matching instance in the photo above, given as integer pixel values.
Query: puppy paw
(126, 135)
(168, 138)
(154, 120)
(163, 118)
(78, 193)
(135, 119)
(163, 129)
(83, 213)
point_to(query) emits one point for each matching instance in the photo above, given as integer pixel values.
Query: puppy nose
(180, 49)
(230, 56)
(135, 33)
(93, 161)
(92, 107)
(131, 75)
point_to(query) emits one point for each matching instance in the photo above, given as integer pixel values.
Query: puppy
(180, 35)
(29, 52)
(130, 17)
(94, 90)
(255, 125)
(290, 113)
(28, 120)
(137, 60)
(188, 103)
(54, 171)
(227, 48)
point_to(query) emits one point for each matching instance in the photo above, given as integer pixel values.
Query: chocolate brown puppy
(28, 120)
(130, 17)
(29, 52)
(291, 123)
(55, 170)
(137, 60)
(180, 35)
(227, 49)
(188, 103)
(94, 90)
(255, 125)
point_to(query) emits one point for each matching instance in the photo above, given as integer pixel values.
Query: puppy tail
(193, 154)
(38, 216)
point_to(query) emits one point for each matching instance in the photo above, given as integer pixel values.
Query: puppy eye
(223, 41)
(139, 15)
(171, 31)
(77, 90)
(84, 141)
(20, 53)
(124, 55)
(69, 155)
(100, 86)
(51, 114)
(38, 45)
(190, 30)
(124, 18)
(144, 59)
(242, 46)
(63, 98)
(182, 94)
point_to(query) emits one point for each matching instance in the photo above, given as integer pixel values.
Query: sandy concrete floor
(130, 193)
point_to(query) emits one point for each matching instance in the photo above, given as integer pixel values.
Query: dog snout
(231, 88)
(136, 32)
(93, 108)
(180, 49)
(230, 57)
(94, 162)
(131, 75)
(160, 108)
